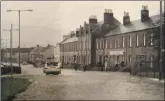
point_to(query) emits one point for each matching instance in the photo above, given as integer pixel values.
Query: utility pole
(86, 43)
(160, 61)
(81, 43)
(6, 51)
(19, 13)
(11, 49)
(10, 46)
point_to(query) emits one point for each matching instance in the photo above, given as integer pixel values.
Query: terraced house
(129, 41)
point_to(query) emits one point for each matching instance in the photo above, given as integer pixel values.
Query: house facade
(69, 49)
(130, 41)
(42, 53)
(48, 53)
(36, 53)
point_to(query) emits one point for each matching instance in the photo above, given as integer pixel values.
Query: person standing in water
(106, 65)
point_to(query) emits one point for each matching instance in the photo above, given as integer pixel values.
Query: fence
(149, 69)
(8, 70)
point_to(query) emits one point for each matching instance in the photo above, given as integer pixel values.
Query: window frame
(137, 40)
(123, 41)
(130, 40)
(144, 39)
(151, 39)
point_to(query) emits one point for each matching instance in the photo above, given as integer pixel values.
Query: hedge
(12, 86)
(7, 70)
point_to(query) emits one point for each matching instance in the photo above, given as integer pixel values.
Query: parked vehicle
(52, 68)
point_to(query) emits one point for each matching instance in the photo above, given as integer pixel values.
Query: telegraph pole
(19, 17)
(81, 43)
(6, 51)
(11, 49)
(160, 61)
(10, 46)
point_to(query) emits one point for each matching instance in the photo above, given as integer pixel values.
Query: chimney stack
(93, 19)
(108, 16)
(72, 33)
(77, 32)
(144, 13)
(48, 45)
(126, 18)
(65, 36)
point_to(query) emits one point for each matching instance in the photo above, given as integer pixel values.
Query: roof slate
(135, 26)
(71, 39)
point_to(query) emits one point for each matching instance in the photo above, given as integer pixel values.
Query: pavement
(89, 85)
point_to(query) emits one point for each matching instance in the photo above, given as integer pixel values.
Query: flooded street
(92, 85)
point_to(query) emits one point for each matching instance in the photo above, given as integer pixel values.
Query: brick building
(130, 41)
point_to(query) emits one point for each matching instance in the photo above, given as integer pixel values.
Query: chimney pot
(93, 19)
(126, 18)
(108, 17)
(144, 13)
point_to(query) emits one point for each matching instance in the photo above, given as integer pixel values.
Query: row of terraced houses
(129, 41)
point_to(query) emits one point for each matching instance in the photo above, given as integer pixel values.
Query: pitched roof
(71, 39)
(97, 28)
(135, 26)
(47, 47)
(37, 49)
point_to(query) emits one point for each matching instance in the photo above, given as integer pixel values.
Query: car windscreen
(52, 64)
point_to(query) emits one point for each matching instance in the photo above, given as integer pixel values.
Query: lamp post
(19, 13)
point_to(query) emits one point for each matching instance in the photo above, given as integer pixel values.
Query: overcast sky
(52, 19)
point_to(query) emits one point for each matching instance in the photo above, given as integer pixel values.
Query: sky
(50, 20)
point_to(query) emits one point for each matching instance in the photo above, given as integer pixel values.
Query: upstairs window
(115, 43)
(97, 44)
(137, 40)
(152, 35)
(106, 46)
(103, 44)
(122, 41)
(100, 44)
(144, 39)
(130, 41)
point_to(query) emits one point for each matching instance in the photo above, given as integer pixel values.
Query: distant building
(24, 54)
(48, 53)
(36, 53)
(42, 53)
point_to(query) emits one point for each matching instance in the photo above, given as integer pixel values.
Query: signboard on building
(116, 52)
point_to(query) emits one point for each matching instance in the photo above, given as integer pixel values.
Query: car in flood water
(52, 68)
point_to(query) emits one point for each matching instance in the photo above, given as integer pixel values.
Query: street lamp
(19, 11)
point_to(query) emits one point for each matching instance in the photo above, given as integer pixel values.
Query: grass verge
(12, 86)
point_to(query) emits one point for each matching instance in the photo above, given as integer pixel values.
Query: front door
(140, 59)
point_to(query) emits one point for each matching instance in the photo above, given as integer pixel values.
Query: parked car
(52, 68)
